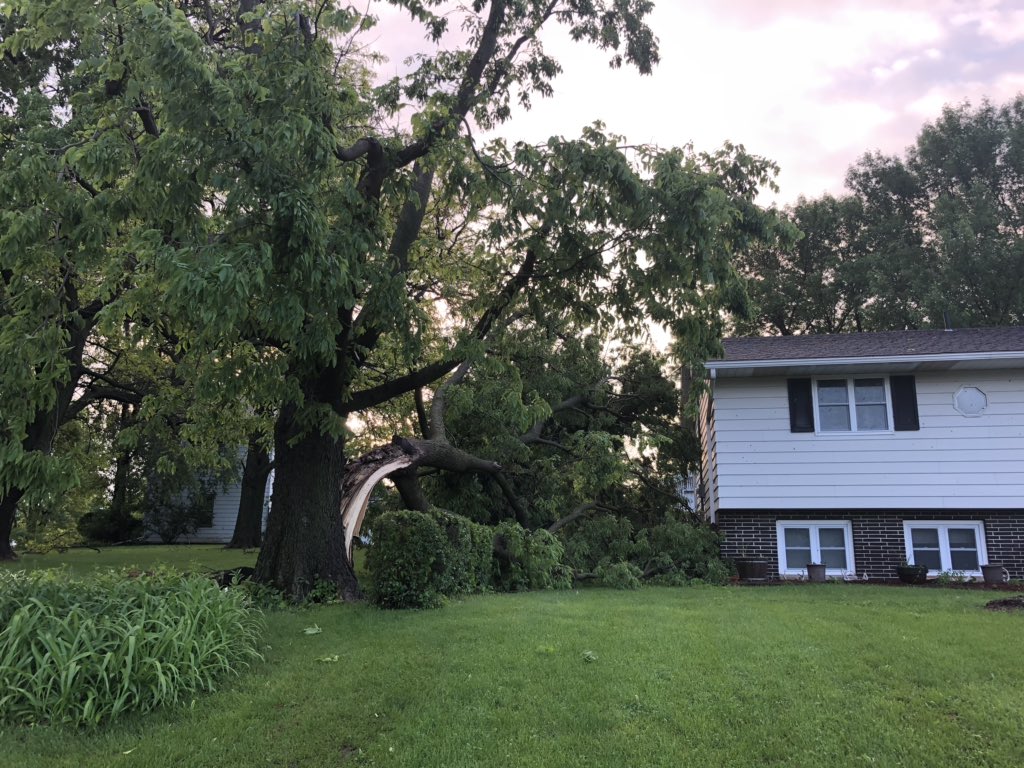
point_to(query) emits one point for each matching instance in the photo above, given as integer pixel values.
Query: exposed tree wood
(361, 477)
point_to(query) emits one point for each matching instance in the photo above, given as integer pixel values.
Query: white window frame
(943, 527)
(787, 572)
(851, 404)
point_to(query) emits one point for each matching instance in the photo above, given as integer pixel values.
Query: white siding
(225, 512)
(708, 491)
(952, 462)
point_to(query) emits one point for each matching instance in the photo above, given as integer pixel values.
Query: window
(829, 542)
(861, 404)
(852, 405)
(946, 546)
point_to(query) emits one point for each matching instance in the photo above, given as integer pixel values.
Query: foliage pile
(82, 651)
(610, 550)
(528, 560)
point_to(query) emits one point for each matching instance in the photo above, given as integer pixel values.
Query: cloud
(810, 84)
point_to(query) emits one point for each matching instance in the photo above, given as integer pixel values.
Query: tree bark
(408, 484)
(249, 523)
(305, 540)
(8, 506)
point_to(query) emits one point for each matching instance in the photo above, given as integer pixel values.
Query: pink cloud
(811, 84)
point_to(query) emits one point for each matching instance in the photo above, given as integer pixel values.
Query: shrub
(684, 548)
(108, 525)
(469, 554)
(408, 560)
(417, 559)
(82, 651)
(176, 507)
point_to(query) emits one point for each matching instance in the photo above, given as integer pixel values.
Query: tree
(818, 285)
(246, 173)
(936, 236)
(61, 266)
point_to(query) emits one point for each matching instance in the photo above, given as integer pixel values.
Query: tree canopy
(934, 236)
(221, 194)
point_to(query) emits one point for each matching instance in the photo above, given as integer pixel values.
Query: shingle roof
(881, 344)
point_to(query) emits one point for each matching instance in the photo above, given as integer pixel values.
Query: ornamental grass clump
(81, 651)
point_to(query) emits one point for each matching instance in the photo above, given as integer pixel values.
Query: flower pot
(994, 574)
(816, 572)
(912, 574)
(752, 570)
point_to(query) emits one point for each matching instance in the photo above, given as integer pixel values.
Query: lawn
(196, 557)
(841, 675)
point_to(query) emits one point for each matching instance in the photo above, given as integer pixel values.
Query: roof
(882, 344)
(883, 351)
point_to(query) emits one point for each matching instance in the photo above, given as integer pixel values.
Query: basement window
(829, 542)
(946, 546)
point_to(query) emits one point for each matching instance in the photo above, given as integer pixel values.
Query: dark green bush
(469, 554)
(81, 651)
(109, 525)
(678, 547)
(408, 560)
(417, 559)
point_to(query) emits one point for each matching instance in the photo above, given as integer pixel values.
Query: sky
(810, 84)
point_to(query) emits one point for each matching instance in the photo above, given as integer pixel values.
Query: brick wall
(878, 544)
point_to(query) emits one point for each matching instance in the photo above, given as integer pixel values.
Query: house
(222, 518)
(863, 450)
(225, 513)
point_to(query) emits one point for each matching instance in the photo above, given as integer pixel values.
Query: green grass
(837, 675)
(183, 557)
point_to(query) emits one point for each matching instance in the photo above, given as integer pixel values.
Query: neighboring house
(225, 513)
(863, 450)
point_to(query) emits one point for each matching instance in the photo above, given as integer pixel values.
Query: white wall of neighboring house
(707, 492)
(225, 513)
(753, 461)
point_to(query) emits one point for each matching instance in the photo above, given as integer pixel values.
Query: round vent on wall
(970, 401)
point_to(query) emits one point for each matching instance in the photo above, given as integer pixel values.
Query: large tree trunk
(305, 541)
(249, 523)
(8, 505)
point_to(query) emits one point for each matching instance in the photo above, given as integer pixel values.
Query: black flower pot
(994, 574)
(912, 574)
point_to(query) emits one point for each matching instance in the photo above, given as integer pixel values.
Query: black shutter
(801, 406)
(904, 403)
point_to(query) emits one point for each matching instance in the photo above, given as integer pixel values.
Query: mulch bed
(1006, 604)
(974, 586)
